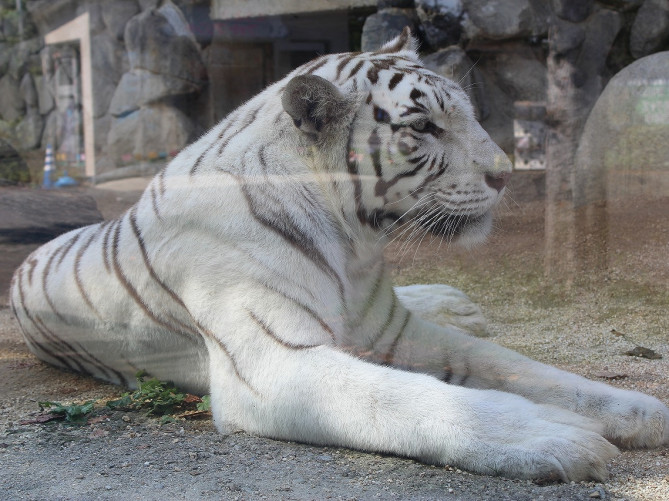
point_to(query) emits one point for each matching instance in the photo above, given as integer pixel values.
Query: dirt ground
(584, 327)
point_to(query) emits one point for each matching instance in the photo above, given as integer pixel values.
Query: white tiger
(252, 269)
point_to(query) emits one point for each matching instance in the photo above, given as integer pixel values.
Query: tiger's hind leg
(444, 305)
(71, 300)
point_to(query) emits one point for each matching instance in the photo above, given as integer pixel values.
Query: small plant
(160, 398)
(73, 413)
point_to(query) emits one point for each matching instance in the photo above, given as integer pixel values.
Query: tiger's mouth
(465, 229)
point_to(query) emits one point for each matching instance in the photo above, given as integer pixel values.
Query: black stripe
(26, 333)
(382, 186)
(397, 78)
(415, 95)
(152, 272)
(343, 64)
(154, 202)
(68, 247)
(228, 354)
(390, 356)
(372, 296)
(305, 308)
(32, 262)
(413, 110)
(105, 243)
(399, 43)
(316, 64)
(77, 278)
(440, 101)
(389, 320)
(45, 277)
(287, 344)
(352, 165)
(161, 181)
(373, 74)
(430, 178)
(248, 121)
(374, 143)
(132, 291)
(64, 347)
(282, 224)
(196, 165)
(356, 68)
(77, 351)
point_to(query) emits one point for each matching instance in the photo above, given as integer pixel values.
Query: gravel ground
(125, 455)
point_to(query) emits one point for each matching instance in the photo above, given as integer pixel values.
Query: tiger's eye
(381, 115)
(419, 125)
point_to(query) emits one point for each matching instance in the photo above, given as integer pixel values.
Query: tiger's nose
(497, 181)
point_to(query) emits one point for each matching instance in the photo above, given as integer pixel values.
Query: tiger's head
(407, 138)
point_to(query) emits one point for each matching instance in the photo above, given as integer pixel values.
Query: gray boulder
(13, 169)
(384, 26)
(45, 101)
(150, 130)
(29, 130)
(573, 10)
(622, 5)
(5, 56)
(441, 21)
(148, 4)
(25, 58)
(12, 105)
(140, 87)
(116, 15)
(159, 41)
(520, 75)
(650, 30)
(503, 20)
(108, 59)
(50, 14)
(28, 91)
(623, 150)
(50, 132)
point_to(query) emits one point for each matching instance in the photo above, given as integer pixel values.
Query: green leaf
(74, 413)
(124, 402)
(205, 405)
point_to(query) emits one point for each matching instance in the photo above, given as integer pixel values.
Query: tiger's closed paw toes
(541, 443)
(637, 421)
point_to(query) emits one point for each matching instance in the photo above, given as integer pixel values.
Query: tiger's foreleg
(265, 382)
(630, 418)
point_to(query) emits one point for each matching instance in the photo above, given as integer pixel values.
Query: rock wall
(150, 77)
(498, 49)
(147, 70)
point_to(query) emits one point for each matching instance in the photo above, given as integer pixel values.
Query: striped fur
(252, 269)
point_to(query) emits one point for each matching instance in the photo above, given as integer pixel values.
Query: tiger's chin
(466, 231)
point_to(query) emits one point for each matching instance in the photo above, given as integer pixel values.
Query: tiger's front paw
(537, 442)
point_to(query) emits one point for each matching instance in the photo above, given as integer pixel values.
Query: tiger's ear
(313, 103)
(404, 42)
